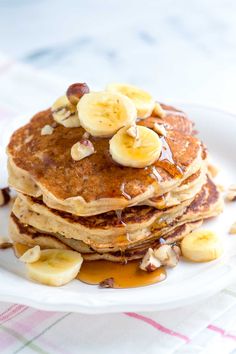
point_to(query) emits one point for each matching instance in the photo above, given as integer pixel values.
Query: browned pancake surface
(47, 159)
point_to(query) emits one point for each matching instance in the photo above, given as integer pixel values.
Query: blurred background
(181, 50)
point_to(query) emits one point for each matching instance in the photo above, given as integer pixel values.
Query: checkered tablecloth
(206, 327)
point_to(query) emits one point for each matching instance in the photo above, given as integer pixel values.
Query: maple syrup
(155, 174)
(167, 162)
(123, 192)
(125, 275)
(119, 217)
(20, 249)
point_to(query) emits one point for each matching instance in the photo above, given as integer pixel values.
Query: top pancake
(42, 165)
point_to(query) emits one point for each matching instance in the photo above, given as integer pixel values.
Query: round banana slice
(103, 113)
(55, 267)
(136, 152)
(143, 101)
(65, 113)
(202, 246)
(31, 255)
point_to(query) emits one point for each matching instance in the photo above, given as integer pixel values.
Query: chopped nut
(177, 250)
(4, 245)
(32, 255)
(150, 262)
(232, 230)
(4, 196)
(158, 110)
(85, 135)
(28, 139)
(213, 170)
(47, 130)
(68, 119)
(82, 149)
(65, 113)
(76, 91)
(166, 255)
(107, 283)
(133, 131)
(54, 124)
(231, 195)
(160, 129)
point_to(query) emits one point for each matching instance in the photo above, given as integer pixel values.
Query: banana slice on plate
(202, 246)
(65, 113)
(55, 267)
(103, 113)
(143, 101)
(31, 255)
(139, 151)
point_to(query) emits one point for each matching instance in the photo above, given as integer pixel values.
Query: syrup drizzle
(123, 192)
(124, 275)
(119, 216)
(155, 174)
(167, 162)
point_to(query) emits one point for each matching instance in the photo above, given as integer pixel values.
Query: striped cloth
(207, 327)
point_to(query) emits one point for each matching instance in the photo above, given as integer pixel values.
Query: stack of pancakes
(102, 209)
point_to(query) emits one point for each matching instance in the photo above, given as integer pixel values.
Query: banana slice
(202, 246)
(31, 255)
(143, 101)
(65, 113)
(135, 152)
(55, 267)
(103, 113)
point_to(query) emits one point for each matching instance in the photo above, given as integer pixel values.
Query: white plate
(185, 284)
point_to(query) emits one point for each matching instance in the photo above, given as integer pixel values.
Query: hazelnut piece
(150, 262)
(5, 245)
(107, 283)
(167, 255)
(231, 194)
(76, 91)
(160, 129)
(158, 111)
(82, 149)
(47, 130)
(4, 196)
(133, 132)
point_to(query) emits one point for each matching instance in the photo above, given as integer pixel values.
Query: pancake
(41, 165)
(207, 203)
(99, 229)
(31, 237)
(185, 191)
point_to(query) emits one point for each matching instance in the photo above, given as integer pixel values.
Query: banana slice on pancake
(65, 113)
(202, 246)
(103, 113)
(135, 151)
(55, 267)
(142, 100)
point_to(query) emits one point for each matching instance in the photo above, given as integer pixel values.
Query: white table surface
(180, 50)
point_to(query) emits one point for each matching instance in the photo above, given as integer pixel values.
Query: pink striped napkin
(206, 327)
